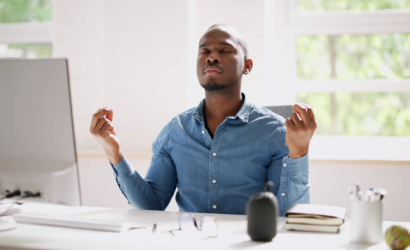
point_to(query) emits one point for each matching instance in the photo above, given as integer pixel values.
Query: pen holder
(366, 221)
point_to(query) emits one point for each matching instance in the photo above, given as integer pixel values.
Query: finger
(302, 111)
(101, 112)
(106, 128)
(110, 115)
(310, 112)
(109, 122)
(99, 125)
(289, 124)
(295, 119)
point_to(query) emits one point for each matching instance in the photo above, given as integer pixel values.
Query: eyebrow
(207, 44)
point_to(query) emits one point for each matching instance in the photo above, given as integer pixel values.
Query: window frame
(31, 32)
(337, 23)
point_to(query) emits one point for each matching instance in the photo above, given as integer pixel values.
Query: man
(223, 151)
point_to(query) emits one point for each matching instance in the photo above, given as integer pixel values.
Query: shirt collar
(243, 113)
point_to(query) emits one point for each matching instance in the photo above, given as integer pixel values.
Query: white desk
(232, 233)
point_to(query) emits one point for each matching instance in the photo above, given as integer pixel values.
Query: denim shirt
(217, 175)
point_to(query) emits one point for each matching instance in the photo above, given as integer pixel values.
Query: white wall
(78, 36)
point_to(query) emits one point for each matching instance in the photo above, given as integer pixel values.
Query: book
(314, 228)
(316, 211)
(316, 221)
(316, 218)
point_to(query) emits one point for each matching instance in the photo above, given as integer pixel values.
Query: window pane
(382, 114)
(354, 56)
(42, 50)
(13, 11)
(350, 5)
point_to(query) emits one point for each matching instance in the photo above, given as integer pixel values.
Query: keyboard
(65, 221)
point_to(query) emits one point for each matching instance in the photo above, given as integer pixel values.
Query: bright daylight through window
(350, 5)
(353, 58)
(24, 12)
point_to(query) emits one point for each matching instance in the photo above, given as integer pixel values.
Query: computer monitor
(37, 146)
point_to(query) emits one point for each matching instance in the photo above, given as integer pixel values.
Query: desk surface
(232, 233)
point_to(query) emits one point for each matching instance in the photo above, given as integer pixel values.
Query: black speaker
(262, 212)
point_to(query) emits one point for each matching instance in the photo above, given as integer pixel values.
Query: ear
(248, 66)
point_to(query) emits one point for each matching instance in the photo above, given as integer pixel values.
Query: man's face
(220, 61)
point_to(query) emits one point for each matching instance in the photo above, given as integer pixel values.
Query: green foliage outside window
(38, 50)
(358, 114)
(354, 56)
(357, 57)
(350, 5)
(15, 11)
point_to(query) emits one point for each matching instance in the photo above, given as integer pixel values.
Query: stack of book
(316, 218)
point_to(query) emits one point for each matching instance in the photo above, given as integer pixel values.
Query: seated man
(222, 152)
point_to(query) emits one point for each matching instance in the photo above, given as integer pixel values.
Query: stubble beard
(212, 87)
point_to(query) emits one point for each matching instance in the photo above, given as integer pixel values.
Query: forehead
(217, 35)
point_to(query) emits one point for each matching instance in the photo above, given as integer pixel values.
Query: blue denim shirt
(217, 175)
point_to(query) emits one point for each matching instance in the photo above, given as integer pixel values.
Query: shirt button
(284, 164)
(203, 132)
(214, 154)
(214, 181)
(283, 194)
(214, 206)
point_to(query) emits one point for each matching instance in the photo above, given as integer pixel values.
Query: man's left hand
(300, 128)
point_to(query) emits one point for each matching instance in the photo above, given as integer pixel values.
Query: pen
(376, 196)
(382, 193)
(360, 196)
(369, 196)
(358, 191)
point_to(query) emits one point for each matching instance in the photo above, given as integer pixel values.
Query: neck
(219, 105)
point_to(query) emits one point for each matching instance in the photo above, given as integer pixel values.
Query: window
(350, 60)
(320, 6)
(25, 30)
(36, 50)
(357, 57)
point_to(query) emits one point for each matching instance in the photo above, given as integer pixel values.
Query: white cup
(366, 221)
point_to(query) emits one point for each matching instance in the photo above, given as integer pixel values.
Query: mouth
(212, 70)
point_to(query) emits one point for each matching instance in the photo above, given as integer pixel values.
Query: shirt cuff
(123, 169)
(292, 165)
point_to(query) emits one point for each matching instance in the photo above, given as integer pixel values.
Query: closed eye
(226, 51)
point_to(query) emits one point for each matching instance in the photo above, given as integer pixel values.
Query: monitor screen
(36, 124)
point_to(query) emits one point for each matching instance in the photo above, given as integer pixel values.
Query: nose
(213, 58)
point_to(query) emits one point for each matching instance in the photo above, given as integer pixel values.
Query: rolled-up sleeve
(291, 176)
(294, 187)
(156, 190)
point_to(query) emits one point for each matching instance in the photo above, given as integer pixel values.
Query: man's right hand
(103, 131)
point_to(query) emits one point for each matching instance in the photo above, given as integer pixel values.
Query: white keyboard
(65, 221)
